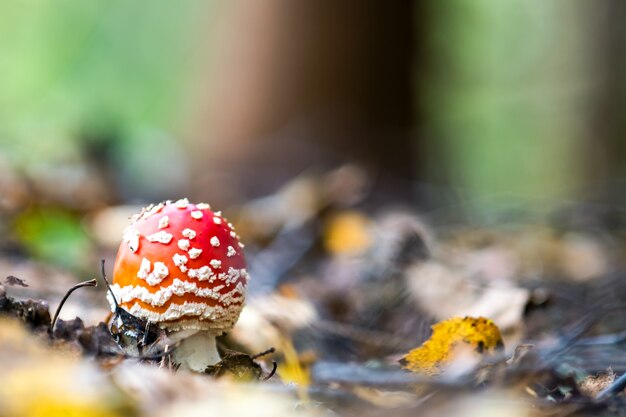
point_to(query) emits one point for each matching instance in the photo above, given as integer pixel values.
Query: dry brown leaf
(592, 385)
(444, 291)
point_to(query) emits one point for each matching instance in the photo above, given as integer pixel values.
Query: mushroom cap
(181, 265)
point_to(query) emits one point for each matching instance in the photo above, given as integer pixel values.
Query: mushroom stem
(195, 352)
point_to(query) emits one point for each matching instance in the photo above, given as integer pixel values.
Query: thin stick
(272, 372)
(104, 277)
(264, 353)
(90, 283)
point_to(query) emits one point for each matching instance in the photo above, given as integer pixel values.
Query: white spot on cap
(215, 263)
(194, 253)
(152, 209)
(196, 214)
(231, 251)
(202, 274)
(158, 274)
(189, 234)
(241, 245)
(182, 203)
(203, 206)
(180, 261)
(217, 220)
(161, 237)
(183, 244)
(234, 275)
(218, 213)
(163, 222)
(144, 268)
(233, 234)
(131, 237)
(178, 287)
(215, 241)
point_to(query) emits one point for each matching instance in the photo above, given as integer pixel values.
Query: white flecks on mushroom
(179, 260)
(215, 263)
(234, 275)
(182, 203)
(217, 220)
(202, 274)
(163, 222)
(233, 296)
(241, 245)
(144, 268)
(146, 209)
(152, 209)
(189, 233)
(233, 234)
(215, 241)
(218, 213)
(220, 317)
(157, 275)
(161, 237)
(231, 251)
(183, 244)
(196, 214)
(203, 206)
(194, 253)
(231, 226)
(178, 287)
(131, 237)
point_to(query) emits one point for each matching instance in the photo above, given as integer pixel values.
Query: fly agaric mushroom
(181, 265)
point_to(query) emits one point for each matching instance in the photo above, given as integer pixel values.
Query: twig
(606, 339)
(106, 282)
(90, 283)
(272, 372)
(264, 353)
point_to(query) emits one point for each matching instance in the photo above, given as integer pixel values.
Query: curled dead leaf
(592, 385)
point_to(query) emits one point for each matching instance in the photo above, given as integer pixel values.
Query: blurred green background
(475, 103)
(74, 65)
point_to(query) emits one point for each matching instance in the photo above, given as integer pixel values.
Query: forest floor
(339, 294)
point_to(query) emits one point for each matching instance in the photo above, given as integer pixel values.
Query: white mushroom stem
(196, 349)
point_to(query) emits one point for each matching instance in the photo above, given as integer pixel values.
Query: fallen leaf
(444, 291)
(42, 379)
(292, 369)
(348, 232)
(12, 280)
(450, 340)
(236, 365)
(592, 385)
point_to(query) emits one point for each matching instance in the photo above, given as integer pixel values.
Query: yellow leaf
(449, 338)
(347, 233)
(291, 370)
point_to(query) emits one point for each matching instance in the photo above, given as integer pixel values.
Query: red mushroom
(181, 265)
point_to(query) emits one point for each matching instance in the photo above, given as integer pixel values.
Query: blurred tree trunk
(606, 142)
(311, 84)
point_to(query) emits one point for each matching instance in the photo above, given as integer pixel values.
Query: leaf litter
(343, 294)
